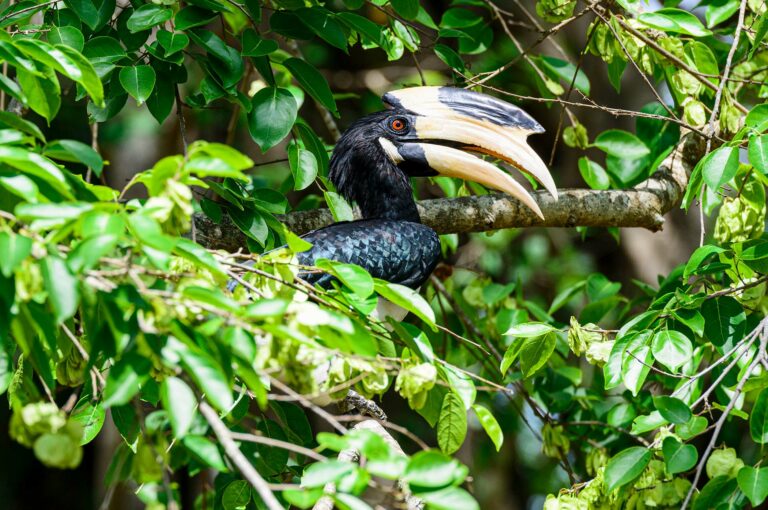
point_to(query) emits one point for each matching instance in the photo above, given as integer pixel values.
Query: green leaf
(180, 403)
(315, 145)
(626, 466)
(256, 46)
(760, 26)
(303, 498)
(672, 349)
(407, 298)
(124, 380)
(208, 375)
(636, 360)
(148, 16)
(86, 11)
(450, 498)
(725, 320)
(90, 415)
(431, 469)
(593, 174)
(42, 92)
(236, 495)
(172, 42)
(719, 166)
(324, 24)
(757, 118)
(351, 275)
(678, 457)
(510, 355)
(450, 57)
(205, 451)
(15, 248)
(191, 16)
(67, 36)
(42, 168)
(758, 153)
(758, 419)
(370, 32)
(14, 121)
(66, 61)
(138, 81)
(621, 144)
(529, 330)
(565, 70)
(753, 482)
(692, 319)
(104, 52)
(303, 167)
(408, 9)
(340, 208)
(490, 425)
(452, 424)
(719, 11)
(320, 473)
(313, 82)
(75, 152)
(535, 352)
(62, 286)
(273, 112)
(674, 21)
(718, 491)
(86, 255)
(672, 409)
(693, 428)
(698, 257)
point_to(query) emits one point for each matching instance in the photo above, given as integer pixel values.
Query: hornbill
(424, 132)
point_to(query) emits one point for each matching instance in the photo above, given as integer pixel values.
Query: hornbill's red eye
(398, 124)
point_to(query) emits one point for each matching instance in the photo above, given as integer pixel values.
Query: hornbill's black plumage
(421, 134)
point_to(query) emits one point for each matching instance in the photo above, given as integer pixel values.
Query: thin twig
(238, 459)
(182, 122)
(726, 71)
(726, 412)
(276, 443)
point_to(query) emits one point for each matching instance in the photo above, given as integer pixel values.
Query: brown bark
(642, 206)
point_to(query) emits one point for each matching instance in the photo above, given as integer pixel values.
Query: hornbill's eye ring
(398, 124)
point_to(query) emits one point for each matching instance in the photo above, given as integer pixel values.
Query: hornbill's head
(427, 131)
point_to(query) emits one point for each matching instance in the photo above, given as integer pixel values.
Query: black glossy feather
(401, 252)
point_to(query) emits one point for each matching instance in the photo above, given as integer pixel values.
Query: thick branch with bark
(642, 206)
(385, 494)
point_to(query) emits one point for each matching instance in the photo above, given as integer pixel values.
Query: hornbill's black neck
(363, 173)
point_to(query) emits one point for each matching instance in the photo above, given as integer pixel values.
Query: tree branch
(236, 456)
(385, 490)
(642, 206)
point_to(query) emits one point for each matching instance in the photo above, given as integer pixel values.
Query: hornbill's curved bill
(476, 122)
(426, 131)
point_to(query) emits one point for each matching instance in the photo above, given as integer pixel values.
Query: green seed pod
(596, 459)
(58, 450)
(686, 84)
(414, 382)
(723, 462)
(555, 11)
(694, 112)
(739, 220)
(730, 118)
(602, 44)
(555, 443)
(576, 136)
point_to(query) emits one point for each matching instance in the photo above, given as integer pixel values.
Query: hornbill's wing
(396, 251)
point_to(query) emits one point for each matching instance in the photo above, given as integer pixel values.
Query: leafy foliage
(106, 298)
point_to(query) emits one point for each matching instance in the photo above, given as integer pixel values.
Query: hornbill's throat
(427, 131)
